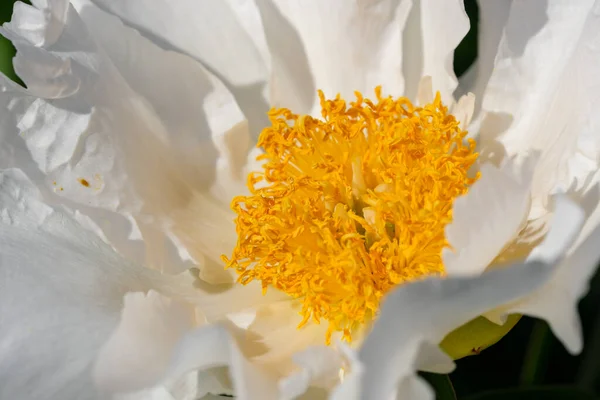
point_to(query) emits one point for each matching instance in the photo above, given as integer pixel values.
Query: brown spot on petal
(84, 182)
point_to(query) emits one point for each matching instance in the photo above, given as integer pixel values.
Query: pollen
(351, 205)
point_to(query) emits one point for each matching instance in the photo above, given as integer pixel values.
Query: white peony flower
(121, 156)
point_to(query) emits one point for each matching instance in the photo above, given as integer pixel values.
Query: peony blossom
(164, 235)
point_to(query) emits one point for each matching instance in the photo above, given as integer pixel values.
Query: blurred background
(528, 363)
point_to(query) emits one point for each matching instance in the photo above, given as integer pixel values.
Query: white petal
(217, 301)
(61, 301)
(427, 310)
(464, 109)
(159, 393)
(349, 389)
(320, 366)
(213, 346)
(337, 46)
(60, 294)
(425, 91)
(154, 345)
(189, 101)
(589, 199)
(415, 388)
(134, 159)
(137, 352)
(226, 37)
(488, 217)
(493, 16)
(276, 329)
(432, 358)
(120, 146)
(545, 80)
(556, 302)
(207, 230)
(193, 385)
(433, 32)
(41, 29)
(565, 226)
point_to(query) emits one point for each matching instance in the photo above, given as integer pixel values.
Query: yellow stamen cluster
(350, 206)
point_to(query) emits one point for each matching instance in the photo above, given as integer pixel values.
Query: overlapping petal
(432, 33)
(93, 130)
(544, 86)
(336, 46)
(148, 116)
(227, 37)
(61, 304)
(61, 295)
(502, 198)
(435, 307)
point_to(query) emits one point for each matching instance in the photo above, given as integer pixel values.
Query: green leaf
(7, 51)
(546, 393)
(442, 385)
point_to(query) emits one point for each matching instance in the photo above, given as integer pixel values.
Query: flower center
(352, 205)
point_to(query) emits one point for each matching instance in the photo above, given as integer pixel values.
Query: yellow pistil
(352, 205)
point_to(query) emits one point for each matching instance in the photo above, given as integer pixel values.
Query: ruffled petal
(319, 367)
(207, 230)
(135, 355)
(275, 329)
(154, 345)
(97, 129)
(545, 85)
(212, 346)
(61, 302)
(61, 289)
(444, 304)
(201, 117)
(227, 37)
(336, 46)
(100, 127)
(501, 198)
(432, 33)
(557, 300)
(493, 16)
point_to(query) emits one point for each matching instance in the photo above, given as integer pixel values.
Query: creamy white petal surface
(137, 150)
(501, 198)
(320, 366)
(539, 99)
(335, 46)
(434, 32)
(545, 82)
(277, 327)
(557, 300)
(493, 16)
(118, 144)
(140, 114)
(191, 104)
(54, 331)
(61, 292)
(214, 34)
(154, 343)
(135, 355)
(409, 316)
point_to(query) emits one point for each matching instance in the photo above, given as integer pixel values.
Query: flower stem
(534, 363)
